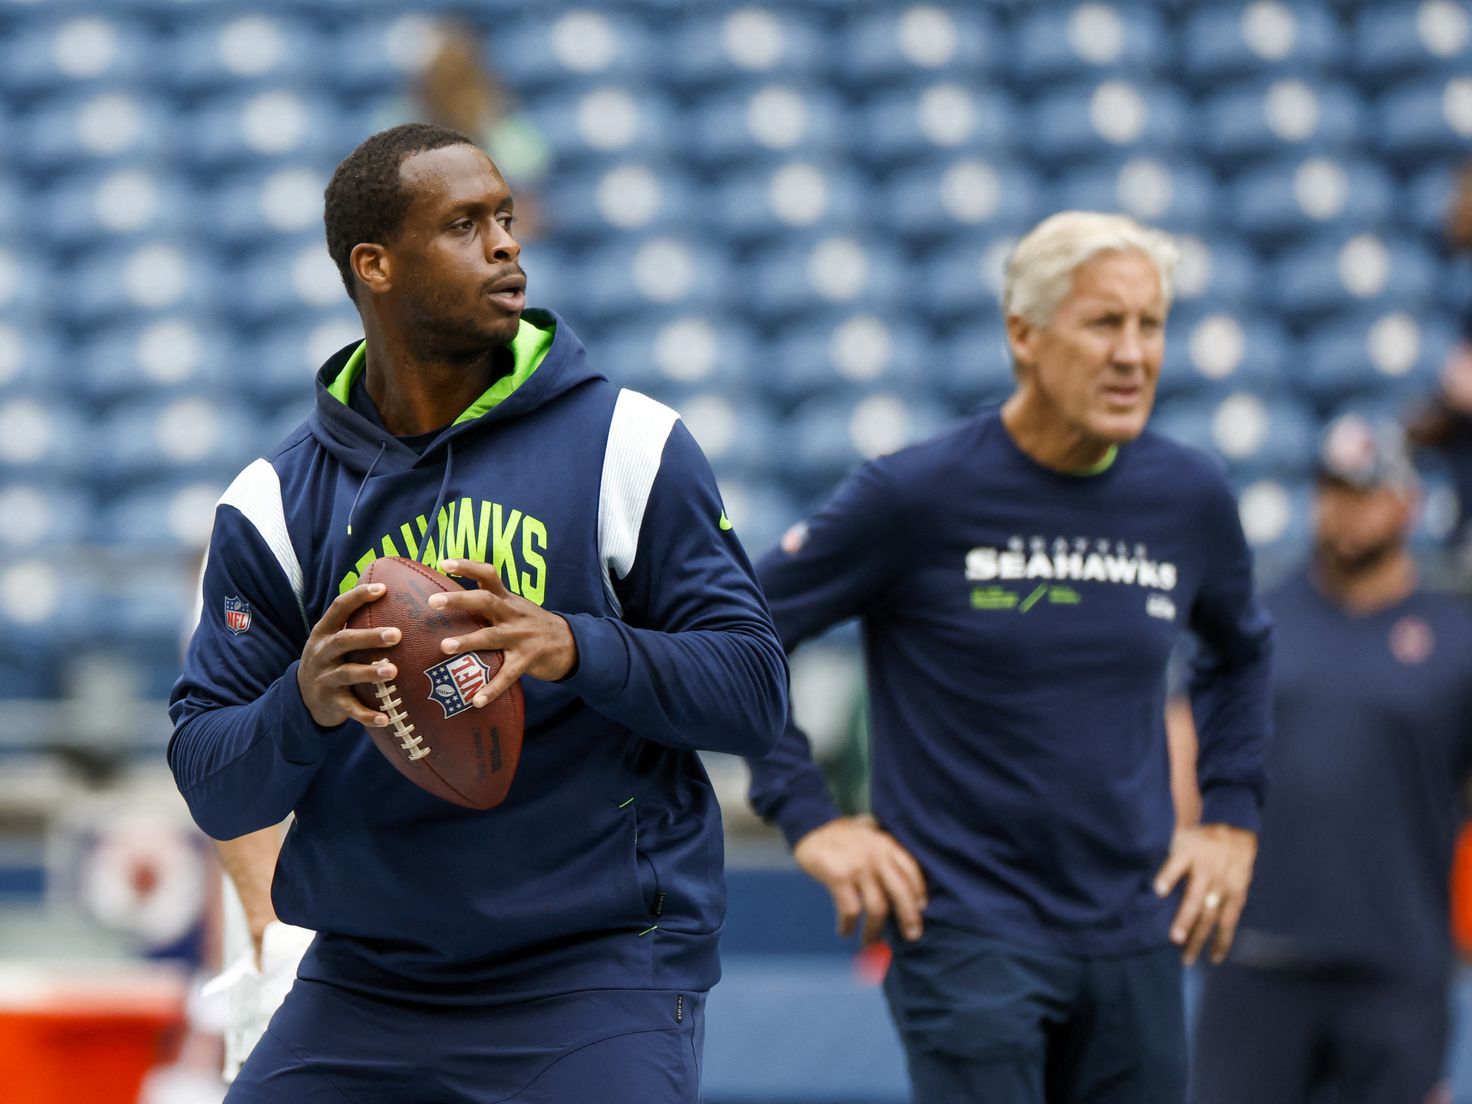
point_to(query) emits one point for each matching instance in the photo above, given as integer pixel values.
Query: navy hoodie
(603, 868)
(1017, 625)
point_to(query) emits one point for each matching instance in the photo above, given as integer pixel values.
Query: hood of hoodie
(548, 360)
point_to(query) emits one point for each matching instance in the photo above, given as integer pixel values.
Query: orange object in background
(1462, 893)
(85, 1034)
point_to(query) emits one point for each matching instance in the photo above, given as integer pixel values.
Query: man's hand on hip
(1216, 861)
(867, 871)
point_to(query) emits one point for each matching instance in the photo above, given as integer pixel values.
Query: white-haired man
(1021, 581)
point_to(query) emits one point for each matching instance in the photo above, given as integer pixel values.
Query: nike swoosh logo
(725, 522)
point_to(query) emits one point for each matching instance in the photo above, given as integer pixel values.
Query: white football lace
(398, 720)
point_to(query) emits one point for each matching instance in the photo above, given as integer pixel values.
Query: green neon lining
(630, 801)
(528, 350)
(646, 931)
(1102, 466)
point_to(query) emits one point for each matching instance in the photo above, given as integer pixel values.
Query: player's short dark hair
(365, 200)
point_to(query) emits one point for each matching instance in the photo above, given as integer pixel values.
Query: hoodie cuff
(800, 813)
(298, 736)
(1231, 803)
(603, 659)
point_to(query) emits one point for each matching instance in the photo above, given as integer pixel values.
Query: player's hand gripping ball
(435, 737)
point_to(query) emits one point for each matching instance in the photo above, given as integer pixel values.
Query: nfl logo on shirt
(237, 615)
(456, 681)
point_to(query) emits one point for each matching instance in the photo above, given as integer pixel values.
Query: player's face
(455, 263)
(1356, 529)
(1096, 364)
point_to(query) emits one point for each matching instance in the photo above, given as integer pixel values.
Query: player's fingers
(910, 869)
(846, 906)
(368, 718)
(876, 907)
(1200, 933)
(511, 670)
(358, 640)
(1189, 912)
(903, 899)
(345, 603)
(487, 576)
(1175, 865)
(491, 638)
(357, 674)
(1226, 926)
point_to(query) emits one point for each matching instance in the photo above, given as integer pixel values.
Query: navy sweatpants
(1286, 1036)
(983, 1021)
(329, 1046)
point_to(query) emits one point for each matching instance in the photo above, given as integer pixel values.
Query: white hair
(1039, 273)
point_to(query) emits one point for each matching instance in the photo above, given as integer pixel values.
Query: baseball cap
(1365, 454)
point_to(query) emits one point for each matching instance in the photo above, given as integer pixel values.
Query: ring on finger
(1213, 900)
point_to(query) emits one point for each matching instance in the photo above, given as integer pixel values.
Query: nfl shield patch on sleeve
(237, 615)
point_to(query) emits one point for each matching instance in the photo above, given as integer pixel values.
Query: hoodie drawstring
(444, 487)
(382, 448)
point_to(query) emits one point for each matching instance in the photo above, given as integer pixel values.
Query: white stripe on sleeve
(636, 439)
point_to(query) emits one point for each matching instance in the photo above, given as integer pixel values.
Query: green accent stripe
(626, 804)
(528, 350)
(1102, 466)
(646, 931)
(1033, 598)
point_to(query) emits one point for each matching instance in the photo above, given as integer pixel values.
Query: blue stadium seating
(900, 45)
(1175, 194)
(845, 354)
(1399, 40)
(41, 437)
(247, 208)
(1222, 42)
(572, 48)
(192, 435)
(1388, 356)
(1095, 121)
(626, 278)
(1281, 201)
(165, 356)
(1087, 40)
(829, 436)
(1416, 123)
(626, 121)
(278, 367)
(289, 277)
(971, 365)
(1259, 435)
(1327, 274)
(623, 197)
(94, 128)
(942, 198)
(1426, 200)
(1280, 118)
(1220, 351)
(244, 129)
(961, 283)
(1218, 271)
(674, 353)
(128, 201)
(82, 50)
(242, 51)
(947, 116)
(768, 121)
(781, 201)
(836, 271)
(714, 48)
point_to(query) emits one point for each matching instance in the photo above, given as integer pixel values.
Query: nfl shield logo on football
(237, 615)
(456, 681)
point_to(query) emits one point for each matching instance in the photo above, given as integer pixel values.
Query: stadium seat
(1087, 41)
(739, 436)
(902, 44)
(32, 356)
(1276, 519)
(971, 366)
(378, 48)
(1415, 123)
(1335, 272)
(1172, 193)
(289, 277)
(1426, 200)
(284, 361)
(45, 514)
(241, 52)
(242, 130)
(943, 117)
(1220, 271)
(742, 44)
(631, 275)
(190, 435)
(1398, 40)
(1096, 121)
(1285, 200)
(845, 353)
(835, 271)
(1260, 39)
(1220, 351)
(169, 354)
(111, 124)
(168, 517)
(1257, 434)
(41, 437)
(771, 121)
(631, 196)
(1288, 117)
(760, 510)
(571, 48)
(609, 120)
(138, 279)
(27, 283)
(829, 436)
(61, 52)
(251, 207)
(935, 200)
(794, 197)
(676, 353)
(962, 283)
(126, 201)
(1388, 357)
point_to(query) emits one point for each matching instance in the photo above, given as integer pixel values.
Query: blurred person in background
(558, 947)
(1020, 582)
(1338, 979)
(1443, 424)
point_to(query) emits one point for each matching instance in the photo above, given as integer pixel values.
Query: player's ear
(1021, 339)
(373, 267)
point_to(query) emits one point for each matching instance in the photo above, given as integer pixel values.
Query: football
(436, 738)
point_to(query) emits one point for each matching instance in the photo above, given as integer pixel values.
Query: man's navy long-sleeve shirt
(1017, 624)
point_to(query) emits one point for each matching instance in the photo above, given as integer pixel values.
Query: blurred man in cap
(1338, 976)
